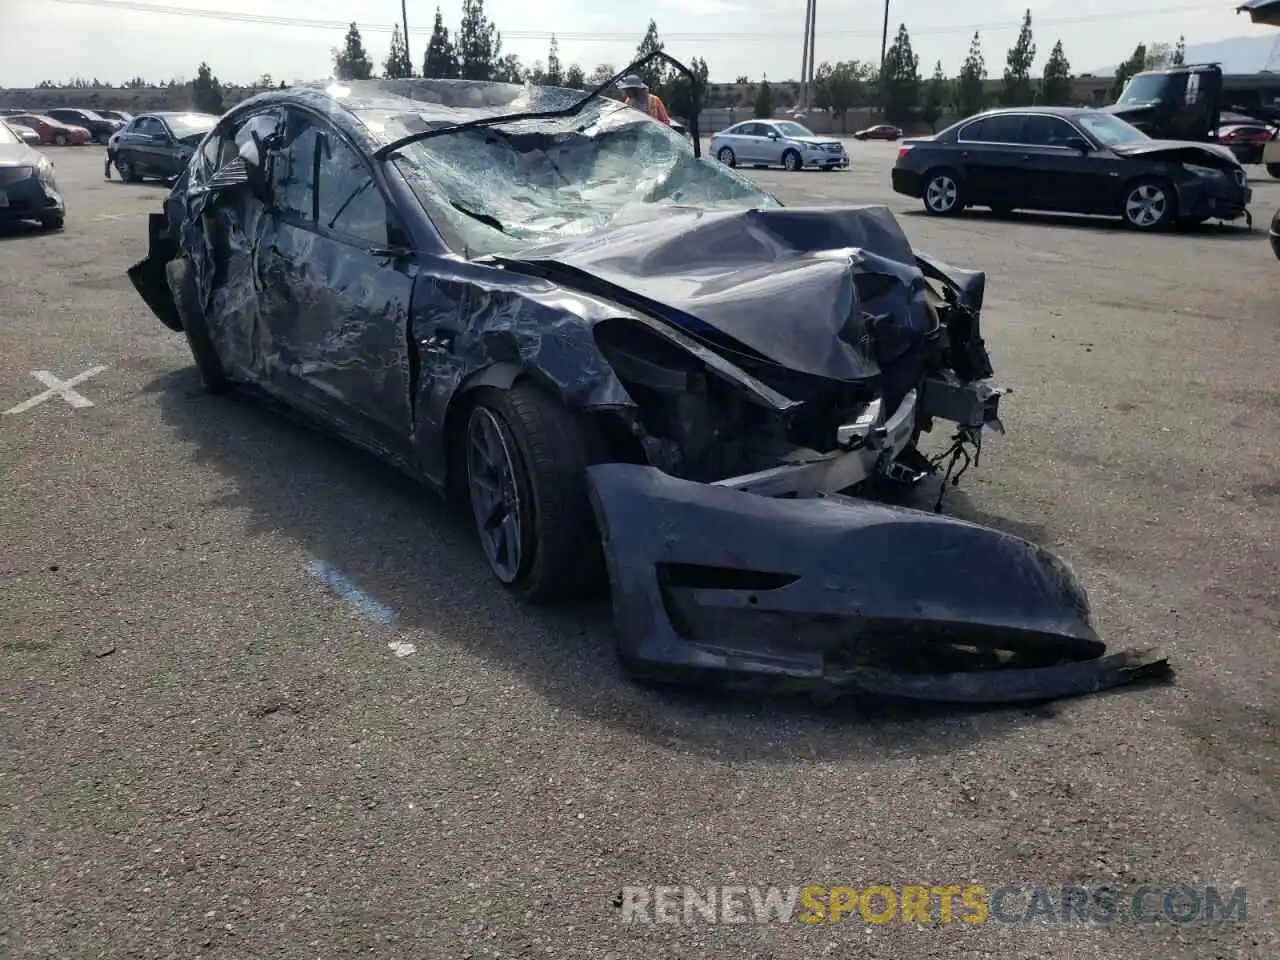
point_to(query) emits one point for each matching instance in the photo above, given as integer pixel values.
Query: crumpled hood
(1145, 148)
(17, 154)
(831, 292)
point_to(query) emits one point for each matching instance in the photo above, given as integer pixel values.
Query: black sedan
(158, 145)
(99, 127)
(1071, 161)
(629, 364)
(28, 190)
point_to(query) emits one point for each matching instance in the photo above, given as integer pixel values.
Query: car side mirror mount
(1079, 143)
(773, 134)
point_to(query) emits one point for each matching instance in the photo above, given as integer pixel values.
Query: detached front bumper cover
(836, 594)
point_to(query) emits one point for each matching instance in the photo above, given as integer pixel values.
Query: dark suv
(99, 127)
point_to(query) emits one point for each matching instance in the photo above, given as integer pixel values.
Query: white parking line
(58, 388)
(351, 593)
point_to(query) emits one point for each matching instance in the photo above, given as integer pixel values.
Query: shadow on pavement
(1214, 229)
(417, 555)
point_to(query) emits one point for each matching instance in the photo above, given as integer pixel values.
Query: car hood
(815, 141)
(832, 293)
(1181, 150)
(17, 154)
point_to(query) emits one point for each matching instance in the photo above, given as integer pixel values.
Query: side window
(148, 127)
(1046, 131)
(974, 132)
(321, 180)
(1002, 128)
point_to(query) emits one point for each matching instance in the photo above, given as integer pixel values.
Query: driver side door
(337, 297)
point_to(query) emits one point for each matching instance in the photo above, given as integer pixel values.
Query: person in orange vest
(638, 97)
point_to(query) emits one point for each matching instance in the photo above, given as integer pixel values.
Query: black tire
(791, 161)
(548, 450)
(725, 156)
(182, 277)
(124, 167)
(1275, 235)
(59, 139)
(1274, 170)
(943, 193)
(1149, 204)
(53, 221)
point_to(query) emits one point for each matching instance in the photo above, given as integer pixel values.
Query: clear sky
(118, 39)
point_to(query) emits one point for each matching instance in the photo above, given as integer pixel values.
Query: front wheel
(943, 195)
(1274, 170)
(526, 460)
(128, 173)
(182, 277)
(1149, 204)
(1275, 235)
(791, 161)
(726, 157)
(53, 221)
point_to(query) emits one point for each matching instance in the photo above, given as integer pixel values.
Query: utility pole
(404, 15)
(804, 63)
(813, 39)
(884, 36)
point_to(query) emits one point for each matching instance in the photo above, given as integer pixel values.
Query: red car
(51, 130)
(1246, 140)
(881, 131)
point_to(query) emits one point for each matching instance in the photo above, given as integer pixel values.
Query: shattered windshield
(502, 188)
(1108, 129)
(1144, 89)
(186, 125)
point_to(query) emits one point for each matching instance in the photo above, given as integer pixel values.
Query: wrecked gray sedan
(631, 365)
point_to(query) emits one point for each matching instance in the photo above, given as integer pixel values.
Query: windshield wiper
(484, 218)
(572, 110)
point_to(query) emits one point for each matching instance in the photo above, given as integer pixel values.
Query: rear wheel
(525, 458)
(726, 157)
(943, 196)
(1149, 204)
(60, 139)
(1274, 170)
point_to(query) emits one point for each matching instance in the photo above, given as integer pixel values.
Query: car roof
(362, 108)
(1047, 111)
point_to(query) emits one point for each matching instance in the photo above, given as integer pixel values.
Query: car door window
(1038, 131)
(148, 127)
(320, 179)
(1005, 128)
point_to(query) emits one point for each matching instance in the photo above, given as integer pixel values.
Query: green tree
(1016, 89)
(600, 74)
(971, 98)
(937, 94)
(1136, 63)
(764, 100)
(555, 71)
(206, 91)
(680, 92)
(479, 45)
(654, 74)
(574, 78)
(397, 64)
(265, 82)
(441, 59)
(1055, 87)
(1159, 56)
(840, 87)
(900, 78)
(351, 61)
(508, 70)
(1180, 52)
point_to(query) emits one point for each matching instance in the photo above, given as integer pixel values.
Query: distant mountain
(1237, 55)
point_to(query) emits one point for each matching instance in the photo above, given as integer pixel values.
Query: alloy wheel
(941, 194)
(1146, 205)
(725, 156)
(495, 494)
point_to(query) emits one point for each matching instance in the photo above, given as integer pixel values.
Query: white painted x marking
(58, 388)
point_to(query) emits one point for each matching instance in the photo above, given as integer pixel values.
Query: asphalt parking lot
(259, 696)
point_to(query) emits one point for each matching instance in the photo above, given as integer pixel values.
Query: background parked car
(1246, 140)
(124, 116)
(881, 131)
(777, 143)
(1070, 160)
(99, 127)
(28, 190)
(53, 131)
(158, 144)
(25, 134)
